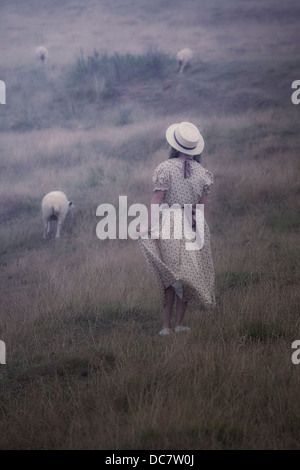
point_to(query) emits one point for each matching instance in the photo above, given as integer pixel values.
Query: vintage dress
(191, 273)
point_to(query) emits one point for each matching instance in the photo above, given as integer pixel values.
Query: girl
(184, 277)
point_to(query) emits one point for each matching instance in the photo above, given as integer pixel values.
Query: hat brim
(171, 140)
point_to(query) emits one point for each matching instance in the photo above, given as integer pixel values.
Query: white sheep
(184, 57)
(55, 206)
(42, 54)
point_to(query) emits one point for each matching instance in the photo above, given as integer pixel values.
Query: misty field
(86, 368)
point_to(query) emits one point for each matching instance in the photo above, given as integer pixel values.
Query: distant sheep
(55, 206)
(184, 58)
(42, 54)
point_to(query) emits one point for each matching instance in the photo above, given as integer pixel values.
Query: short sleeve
(208, 181)
(161, 179)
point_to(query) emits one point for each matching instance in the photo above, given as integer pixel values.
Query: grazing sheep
(184, 57)
(55, 206)
(42, 54)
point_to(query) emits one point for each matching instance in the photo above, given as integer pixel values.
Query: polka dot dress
(190, 272)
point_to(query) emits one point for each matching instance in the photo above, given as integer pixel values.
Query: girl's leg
(167, 310)
(180, 311)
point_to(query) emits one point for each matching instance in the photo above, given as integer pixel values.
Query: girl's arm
(203, 200)
(157, 198)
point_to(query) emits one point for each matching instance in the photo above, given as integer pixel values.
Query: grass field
(86, 368)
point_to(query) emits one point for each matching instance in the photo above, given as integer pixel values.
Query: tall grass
(120, 68)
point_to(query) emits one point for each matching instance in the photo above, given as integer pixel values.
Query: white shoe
(165, 331)
(179, 328)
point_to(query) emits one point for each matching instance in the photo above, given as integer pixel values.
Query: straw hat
(185, 137)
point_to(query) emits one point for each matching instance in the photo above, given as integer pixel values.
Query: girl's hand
(142, 230)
